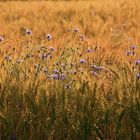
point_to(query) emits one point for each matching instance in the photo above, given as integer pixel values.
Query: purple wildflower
(73, 72)
(55, 76)
(8, 58)
(97, 68)
(82, 61)
(1, 38)
(62, 76)
(94, 73)
(128, 53)
(55, 71)
(76, 30)
(28, 31)
(43, 56)
(133, 47)
(52, 48)
(49, 37)
(137, 62)
(82, 37)
(89, 50)
(138, 76)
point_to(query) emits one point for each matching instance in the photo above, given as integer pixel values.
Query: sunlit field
(70, 70)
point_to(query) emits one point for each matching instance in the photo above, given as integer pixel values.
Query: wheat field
(70, 70)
